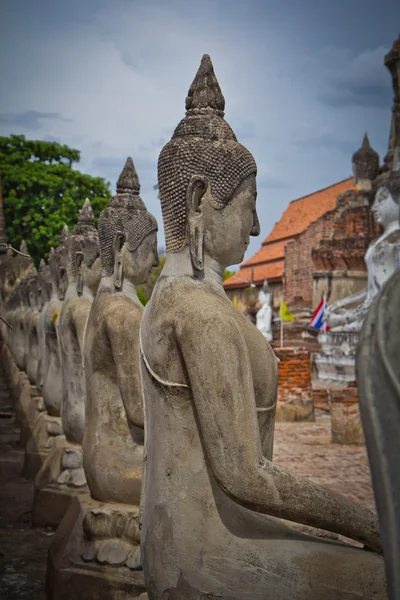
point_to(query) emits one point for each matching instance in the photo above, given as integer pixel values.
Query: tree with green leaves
(42, 191)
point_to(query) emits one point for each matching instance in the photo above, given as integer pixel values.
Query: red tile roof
(272, 271)
(269, 261)
(302, 212)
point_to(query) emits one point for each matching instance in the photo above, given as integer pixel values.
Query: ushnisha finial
(365, 143)
(52, 252)
(23, 247)
(205, 93)
(63, 235)
(86, 216)
(42, 265)
(128, 181)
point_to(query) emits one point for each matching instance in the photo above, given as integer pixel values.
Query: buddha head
(83, 252)
(387, 199)
(128, 233)
(207, 180)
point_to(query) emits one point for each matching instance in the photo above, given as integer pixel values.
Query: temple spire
(365, 143)
(3, 230)
(128, 181)
(205, 93)
(365, 163)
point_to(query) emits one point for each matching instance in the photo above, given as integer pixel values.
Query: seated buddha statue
(49, 375)
(215, 508)
(52, 381)
(63, 467)
(382, 259)
(83, 274)
(378, 377)
(114, 428)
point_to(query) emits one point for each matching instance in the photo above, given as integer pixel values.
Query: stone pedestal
(60, 479)
(335, 366)
(294, 385)
(84, 563)
(346, 424)
(40, 442)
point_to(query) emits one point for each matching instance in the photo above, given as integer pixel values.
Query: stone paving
(303, 448)
(306, 450)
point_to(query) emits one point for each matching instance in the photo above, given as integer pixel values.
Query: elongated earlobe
(79, 280)
(195, 193)
(118, 276)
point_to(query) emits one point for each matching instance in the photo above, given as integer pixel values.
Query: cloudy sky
(302, 80)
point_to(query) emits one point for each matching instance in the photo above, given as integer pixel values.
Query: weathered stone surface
(210, 383)
(378, 375)
(84, 569)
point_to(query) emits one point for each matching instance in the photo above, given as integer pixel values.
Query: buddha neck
(179, 264)
(128, 289)
(389, 227)
(72, 291)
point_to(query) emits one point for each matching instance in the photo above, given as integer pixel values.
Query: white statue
(382, 259)
(264, 315)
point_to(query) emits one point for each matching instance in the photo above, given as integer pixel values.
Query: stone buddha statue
(63, 468)
(264, 315)
(213, 500)
(107, 535)
(49, 375)
(382, 259)
(44, 289)
(114, 405)
(52, 381)
(378, 376)
(38, 297)
(83, 272)
(19, 341)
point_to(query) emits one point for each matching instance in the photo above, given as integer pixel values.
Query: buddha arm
(221, 380)
(123, 333)
(343, 302)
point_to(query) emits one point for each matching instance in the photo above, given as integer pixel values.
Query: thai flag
(317, 317)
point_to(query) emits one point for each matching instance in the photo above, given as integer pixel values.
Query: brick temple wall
(299, 267)
(336, 241)
(294, 385)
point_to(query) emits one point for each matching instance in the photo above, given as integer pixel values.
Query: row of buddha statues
(152, 428)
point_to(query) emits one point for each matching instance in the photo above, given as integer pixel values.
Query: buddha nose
(255, 230)
(156, 260)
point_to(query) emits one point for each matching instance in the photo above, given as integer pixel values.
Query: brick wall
(299, 267)
(294, 385)
(337, 240)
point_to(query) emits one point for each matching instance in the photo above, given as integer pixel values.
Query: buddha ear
(118, 276)
(79, 280)
(194, 195)
(119, 241)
